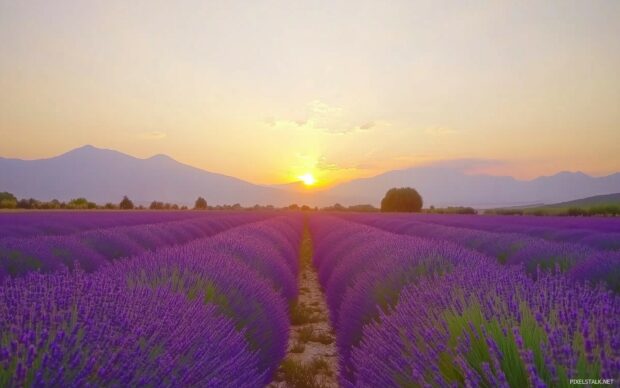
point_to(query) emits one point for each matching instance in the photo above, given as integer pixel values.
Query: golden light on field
(307, 179)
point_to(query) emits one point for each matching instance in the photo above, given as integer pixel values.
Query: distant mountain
(104, 175)
(443, 186)
(597, 200)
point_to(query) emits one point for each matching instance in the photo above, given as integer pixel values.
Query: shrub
(201, 204)
(126, 204)
(7, 200)
(404, 199)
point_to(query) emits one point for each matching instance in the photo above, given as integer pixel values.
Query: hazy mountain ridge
(442, 186)
(597, 200)
(106, 175)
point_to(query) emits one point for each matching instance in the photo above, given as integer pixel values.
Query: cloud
(318, 115)
(440, 131)
(324, 163)
(367, 126)
(153, 135)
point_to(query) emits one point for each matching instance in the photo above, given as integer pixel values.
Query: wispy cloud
(152, 135)
(318, 115)
(440, 131)
(327, 164)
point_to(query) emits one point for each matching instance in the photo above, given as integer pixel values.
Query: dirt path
(312, 359)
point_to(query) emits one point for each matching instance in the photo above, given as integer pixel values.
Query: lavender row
(93, 248)
(363, 269)
(56, 223)
(406, 314)
(596, 224)
(207, 313)
(484, 324)
(580, 262)
(74, 330)
(605, 237)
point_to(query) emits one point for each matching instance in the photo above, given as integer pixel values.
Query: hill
(449, 186)
(103, 175)
(597, 200)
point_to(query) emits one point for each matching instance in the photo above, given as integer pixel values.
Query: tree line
(10, 201)
(396, 200)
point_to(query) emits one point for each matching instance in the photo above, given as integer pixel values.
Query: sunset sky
(268, 91)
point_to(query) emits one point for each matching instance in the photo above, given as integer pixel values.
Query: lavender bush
(206, 313)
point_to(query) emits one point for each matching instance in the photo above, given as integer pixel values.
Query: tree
(201, 204)
(28, 203)
(78, 203)
(126, 204)
(335, 208)
(404, 199)
(7, 200)
(364, 208)
(156, 205)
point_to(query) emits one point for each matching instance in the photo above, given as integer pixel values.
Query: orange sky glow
(272, 91)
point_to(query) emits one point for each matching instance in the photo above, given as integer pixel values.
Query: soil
(311, 299)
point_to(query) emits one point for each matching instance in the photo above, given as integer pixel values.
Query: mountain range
(105, 176)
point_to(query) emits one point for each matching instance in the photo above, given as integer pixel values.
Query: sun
(307, 179)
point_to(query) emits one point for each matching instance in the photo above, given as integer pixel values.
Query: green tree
(404, 199)
(28, 203)
(126, 204)
(201, 204)
(156, 205)
(364, 208)
(78, 203)
(7, 200)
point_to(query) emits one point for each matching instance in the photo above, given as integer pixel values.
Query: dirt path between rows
(312, 358)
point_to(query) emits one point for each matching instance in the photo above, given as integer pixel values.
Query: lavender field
(222, 299)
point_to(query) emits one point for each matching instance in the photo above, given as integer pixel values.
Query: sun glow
(307, 179)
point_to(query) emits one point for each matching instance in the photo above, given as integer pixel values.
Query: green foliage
(335, 208)
(404, 199)
(598, 210)
(5, 195)
(612, 210)
(81, 203)
(126, 204)
(451, 210)
(14, 262)
(155, 205)
(201, 204)
(504, 212)
(471, 327)
(8, 203)
(30, 203)
(365, 208)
